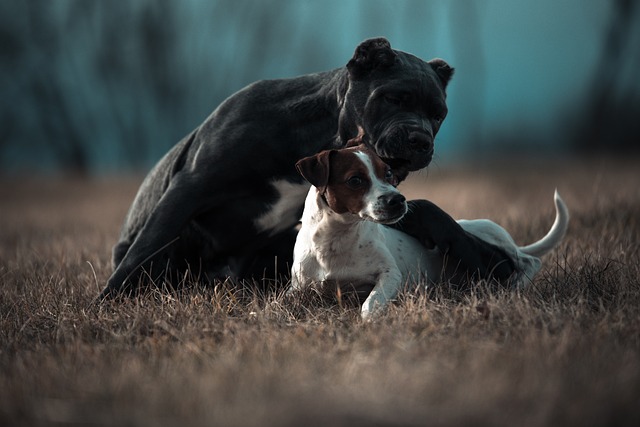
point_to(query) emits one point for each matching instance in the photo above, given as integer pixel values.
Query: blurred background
(100, 87)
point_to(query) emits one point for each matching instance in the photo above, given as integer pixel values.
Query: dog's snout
(392, 200)
(420, 141)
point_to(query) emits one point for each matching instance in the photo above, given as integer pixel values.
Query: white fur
(353, 250)
(348, 251)
(372, 203)
(283, 213)
(526, 258)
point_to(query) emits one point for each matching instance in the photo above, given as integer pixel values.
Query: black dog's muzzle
(405, 148)
(420, 142)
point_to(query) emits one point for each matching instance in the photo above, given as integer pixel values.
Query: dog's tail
(555, 234)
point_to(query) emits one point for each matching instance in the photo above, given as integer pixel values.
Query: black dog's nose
(392, 200)
(420, 141)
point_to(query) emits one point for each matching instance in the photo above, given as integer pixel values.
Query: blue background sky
(103, 87)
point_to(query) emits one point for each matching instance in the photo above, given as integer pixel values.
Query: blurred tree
(612, 108)
(96, 86)
(466, 36)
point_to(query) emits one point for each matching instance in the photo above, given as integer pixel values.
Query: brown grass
(564, 352)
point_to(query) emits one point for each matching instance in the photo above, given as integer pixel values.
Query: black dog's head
(400, 102)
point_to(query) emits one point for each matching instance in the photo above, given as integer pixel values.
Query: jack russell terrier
(344, 239)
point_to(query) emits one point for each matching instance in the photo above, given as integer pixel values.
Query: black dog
(225, 200)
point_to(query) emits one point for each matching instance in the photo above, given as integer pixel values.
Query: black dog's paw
(429, 224)
(466, 255)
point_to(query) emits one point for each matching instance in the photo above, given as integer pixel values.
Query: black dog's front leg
(465, 256)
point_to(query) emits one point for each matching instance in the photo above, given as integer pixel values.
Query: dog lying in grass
(344, 239)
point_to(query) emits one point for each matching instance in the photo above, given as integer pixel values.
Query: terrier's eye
(355, 182)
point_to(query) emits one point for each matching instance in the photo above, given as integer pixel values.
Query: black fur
(464, 256)
(198, 206)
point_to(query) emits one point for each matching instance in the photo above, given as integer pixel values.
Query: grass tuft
(565, 351)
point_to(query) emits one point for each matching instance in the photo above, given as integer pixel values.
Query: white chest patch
(284, 213)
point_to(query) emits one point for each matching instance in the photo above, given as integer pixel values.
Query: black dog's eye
(355, 182)
(439, 115)
(393, 99)
(401, 99)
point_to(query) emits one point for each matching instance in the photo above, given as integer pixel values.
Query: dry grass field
(564, 352)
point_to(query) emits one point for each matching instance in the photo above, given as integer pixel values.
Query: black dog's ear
(315, 169)
(443, 70)
(369, 55)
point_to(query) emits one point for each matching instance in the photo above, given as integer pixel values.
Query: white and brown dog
(343, 239)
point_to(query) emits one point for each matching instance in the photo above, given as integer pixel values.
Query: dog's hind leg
(118, 253)
(162, 227)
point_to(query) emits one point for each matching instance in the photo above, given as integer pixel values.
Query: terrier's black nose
(392, 200)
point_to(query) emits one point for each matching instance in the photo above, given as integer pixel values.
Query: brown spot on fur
(332, 172)
(340, 195)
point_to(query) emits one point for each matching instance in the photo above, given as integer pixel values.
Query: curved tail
(555, 234)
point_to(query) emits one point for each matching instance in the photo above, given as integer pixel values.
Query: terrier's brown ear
(315, 169)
